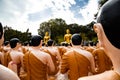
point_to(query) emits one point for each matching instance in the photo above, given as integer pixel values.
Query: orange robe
(36, 69)
(75, 64)
(8, 59)
(5, 52)
(90, 49)
(62, 50)
(102, 61)
(24, 50)
(55, 61)
(1, 58)
(1, 50)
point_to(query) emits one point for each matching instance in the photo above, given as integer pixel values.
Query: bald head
(109, 17)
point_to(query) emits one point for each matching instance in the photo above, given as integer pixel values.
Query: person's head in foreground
(109, 18)
(107, 29)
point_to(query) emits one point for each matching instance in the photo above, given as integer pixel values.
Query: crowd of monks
(31, 62)
(69, 61)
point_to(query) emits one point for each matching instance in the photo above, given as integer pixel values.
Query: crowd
(70, 61)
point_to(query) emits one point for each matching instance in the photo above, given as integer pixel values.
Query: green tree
(55, 27)
(57, 30)
(11, 33)
(101, 2)
(74, 28)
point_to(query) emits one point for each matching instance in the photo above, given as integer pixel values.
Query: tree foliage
(57, 29)
(101, 2)
(11, 33)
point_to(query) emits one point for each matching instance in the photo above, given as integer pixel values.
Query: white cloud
(89, 10)
(18, 16)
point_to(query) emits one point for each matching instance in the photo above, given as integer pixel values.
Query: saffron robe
(75, 64)
(90, 49)
(102, 61)
(63, 49)
(55, 61)
(36, 69)
(8, 59)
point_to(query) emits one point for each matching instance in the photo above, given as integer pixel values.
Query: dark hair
(63, 44)
(76, 39)
(35, 40)
(26, 43)
(109, 17)
(13, 42)
(30, 43)
(91, 43)
(66, 44)
(50, 42)
(6, 43)
(1, 30)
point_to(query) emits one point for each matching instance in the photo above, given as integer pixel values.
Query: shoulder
(99, 50)
(69, 52)
(88, 54)
(45, 54)
(20, 53)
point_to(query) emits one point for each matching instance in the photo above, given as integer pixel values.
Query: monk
(102, 61)
(55, 55)
(5, 50)
(5, 73)
(67, 36)
(63, 48)
(46, 37)
(15, 57)
(90, 47)
(77, 62)
(107, 29)
(36, 62)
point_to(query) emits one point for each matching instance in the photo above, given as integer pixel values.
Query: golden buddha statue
(46, 37)
(67, 36)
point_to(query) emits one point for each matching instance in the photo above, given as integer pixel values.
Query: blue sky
(24, 14)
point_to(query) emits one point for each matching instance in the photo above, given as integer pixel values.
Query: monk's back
(36, 69)
(53, 53)
(78, 65)
(103, 62)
